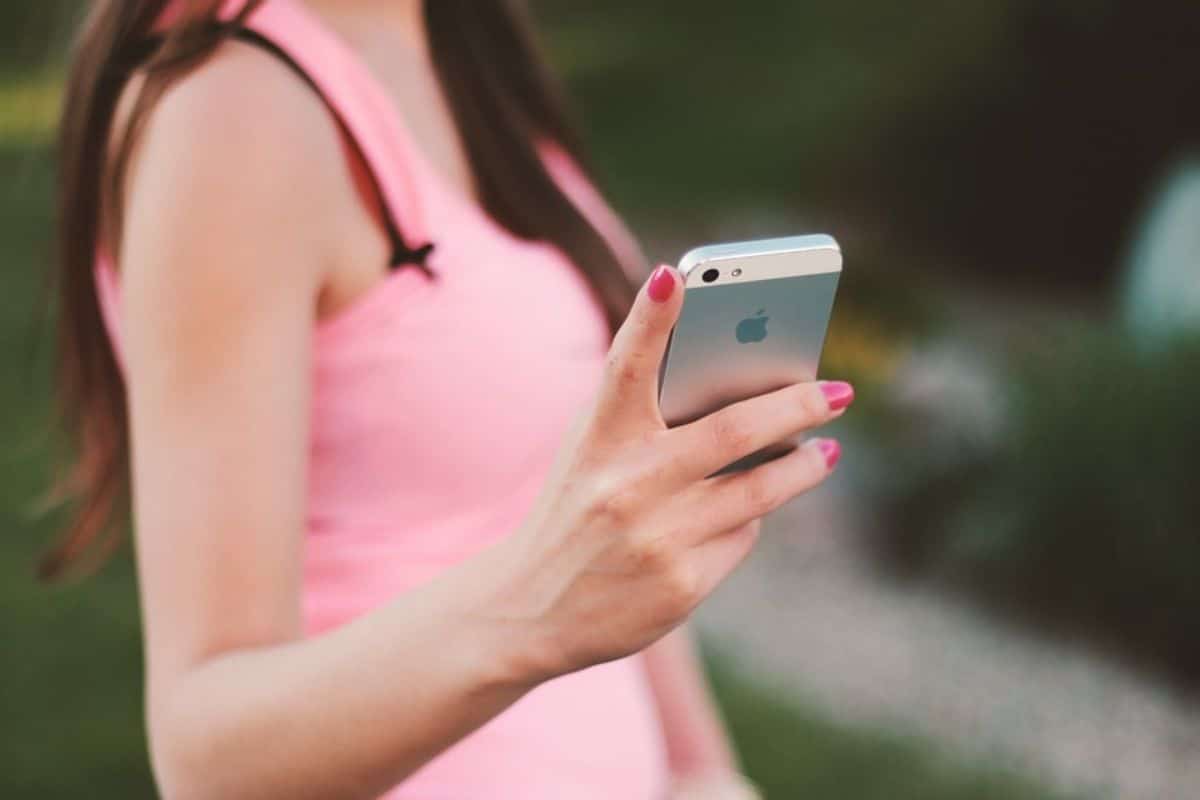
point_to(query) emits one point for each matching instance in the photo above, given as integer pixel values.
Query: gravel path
(805, 614)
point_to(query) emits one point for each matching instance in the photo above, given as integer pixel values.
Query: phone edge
(707, 254)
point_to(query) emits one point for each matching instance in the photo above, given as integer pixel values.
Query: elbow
(200, 749)
(186, 758)
(177, 765)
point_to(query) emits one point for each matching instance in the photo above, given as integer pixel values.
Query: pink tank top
(438, 406)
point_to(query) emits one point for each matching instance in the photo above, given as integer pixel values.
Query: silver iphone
(754, 320)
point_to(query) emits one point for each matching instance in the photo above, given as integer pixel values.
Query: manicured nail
(839, 394)
(662, 284)
(831, 450)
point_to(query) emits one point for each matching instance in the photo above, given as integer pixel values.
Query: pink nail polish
(831, 450)
(662, 285)
(839, 394)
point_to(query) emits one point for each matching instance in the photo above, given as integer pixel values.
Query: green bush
(967, 135)
(1085, 514)
(33, 34)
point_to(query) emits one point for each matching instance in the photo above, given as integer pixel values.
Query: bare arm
(236, 210)
(229, 231)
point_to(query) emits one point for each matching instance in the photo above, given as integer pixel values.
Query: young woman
(334, 285)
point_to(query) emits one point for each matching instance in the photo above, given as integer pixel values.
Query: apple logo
(753, 329)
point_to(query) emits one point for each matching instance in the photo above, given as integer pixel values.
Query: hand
(719, 786)
(630, 532)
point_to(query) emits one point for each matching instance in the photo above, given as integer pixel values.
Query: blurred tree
(33, 33)
(1012, 139)
(1082, 515)
(1034, 165)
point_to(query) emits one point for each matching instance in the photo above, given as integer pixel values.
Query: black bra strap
(401, 253)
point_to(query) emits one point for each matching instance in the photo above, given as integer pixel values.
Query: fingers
(713, 560)
(740, 429)
(631, 380)
(731, 501)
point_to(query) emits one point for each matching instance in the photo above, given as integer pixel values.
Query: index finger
(631, 377)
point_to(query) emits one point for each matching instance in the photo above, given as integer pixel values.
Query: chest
(474, 374)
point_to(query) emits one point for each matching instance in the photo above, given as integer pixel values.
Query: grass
(70, 681)
(29, 108)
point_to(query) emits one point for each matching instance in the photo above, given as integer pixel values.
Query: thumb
(631, 378)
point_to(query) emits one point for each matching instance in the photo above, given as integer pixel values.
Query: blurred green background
(1014, 183)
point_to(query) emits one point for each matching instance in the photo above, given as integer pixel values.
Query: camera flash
(737, 272)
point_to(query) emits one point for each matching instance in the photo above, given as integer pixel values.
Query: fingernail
(662, 284)
(839, 394)
(831, 450)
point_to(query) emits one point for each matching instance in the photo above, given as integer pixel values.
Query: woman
(334, 271)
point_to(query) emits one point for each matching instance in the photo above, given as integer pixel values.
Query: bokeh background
(999, 594)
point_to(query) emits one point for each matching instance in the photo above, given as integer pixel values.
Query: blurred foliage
(1084, 515)
(29, 107)
(1011, 139)
(33, 34)
(70, 677)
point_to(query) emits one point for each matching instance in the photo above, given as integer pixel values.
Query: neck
(405, 18)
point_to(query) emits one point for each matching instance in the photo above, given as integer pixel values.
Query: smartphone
(754, 320)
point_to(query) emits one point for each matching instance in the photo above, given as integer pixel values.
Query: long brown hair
(503, 100)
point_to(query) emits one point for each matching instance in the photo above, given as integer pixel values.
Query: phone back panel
(747, 337)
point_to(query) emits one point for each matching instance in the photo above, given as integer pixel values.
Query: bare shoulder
(241, 156)
(246, 108)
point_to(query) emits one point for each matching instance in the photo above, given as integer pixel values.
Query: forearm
(349, 713)
(692, 727)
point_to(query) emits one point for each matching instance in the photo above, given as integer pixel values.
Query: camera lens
(710, 275)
